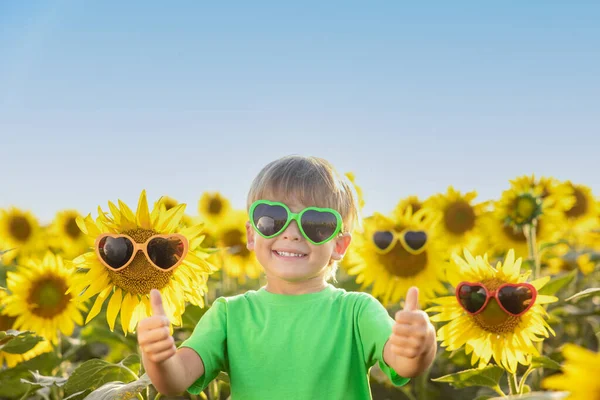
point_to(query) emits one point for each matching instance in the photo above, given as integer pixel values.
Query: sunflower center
(493, 318)
(399, 262)
(416, 206)
(215, 206)
(48, 296)
(581, 205)
(19, 228)
(71, 229)
(6, 323)
(233, 239)
(459, 217)
(170, 204)
(140, 276)
(525, 209)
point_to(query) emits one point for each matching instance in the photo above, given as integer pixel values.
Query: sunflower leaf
(132, 362)
(488, 377)
(557, 283)
(119, 390)
(15, 342)
(92, 375)
(544, 362)
(584, 294)
(536, 396)
(44, 381)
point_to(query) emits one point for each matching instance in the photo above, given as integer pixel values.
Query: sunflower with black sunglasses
(135, 253)
(495, 313)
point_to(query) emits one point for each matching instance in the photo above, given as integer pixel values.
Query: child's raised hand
(154, 335)
(412, 329)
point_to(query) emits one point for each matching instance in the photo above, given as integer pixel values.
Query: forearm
(171, 377)
(411, 367)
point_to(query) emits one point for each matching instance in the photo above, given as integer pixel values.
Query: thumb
(412, 299)
(156, 303)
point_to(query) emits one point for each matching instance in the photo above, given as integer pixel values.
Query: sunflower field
(511, 284)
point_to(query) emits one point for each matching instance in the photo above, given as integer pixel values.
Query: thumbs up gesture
(154, 335)
(411, 334)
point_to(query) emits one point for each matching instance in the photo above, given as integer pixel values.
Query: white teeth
(286, 254)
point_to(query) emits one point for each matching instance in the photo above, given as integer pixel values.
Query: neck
(280, 286)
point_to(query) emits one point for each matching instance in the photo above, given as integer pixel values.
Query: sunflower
(579, 376)
(237, 260)
(509, 339)
(39, 300)
(213, 207)
(460, 218)
(21, 232)
(393, 272)
(65, 235)
(129, 288)
(519, 206)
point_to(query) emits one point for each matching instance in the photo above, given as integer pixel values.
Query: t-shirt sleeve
(209, 340)
(375, 326)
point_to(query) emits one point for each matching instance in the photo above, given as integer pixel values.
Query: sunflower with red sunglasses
(137, 252)
(494, 312)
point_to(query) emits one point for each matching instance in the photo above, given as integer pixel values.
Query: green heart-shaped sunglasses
(317, 225)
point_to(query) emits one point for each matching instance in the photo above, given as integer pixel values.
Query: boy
(298, 337)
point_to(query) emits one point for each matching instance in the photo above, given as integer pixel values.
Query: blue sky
(98, 101)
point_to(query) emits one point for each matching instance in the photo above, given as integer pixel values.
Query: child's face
(290, 256)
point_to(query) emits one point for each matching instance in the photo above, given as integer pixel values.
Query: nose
(292, 232)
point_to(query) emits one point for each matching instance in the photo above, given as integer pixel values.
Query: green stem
(422, 383)
(512, 383)
(158, 396)
(203, 396)
(524, 379)
(25, 396)
(139, 396)
(530, 233)
(407, 392)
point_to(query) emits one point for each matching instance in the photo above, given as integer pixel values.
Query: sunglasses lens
(472, 297)
(515, 299)
(165, 252)
(115, 252)
(269, 219)
(415, 239)
(383, 239)
(318, 225)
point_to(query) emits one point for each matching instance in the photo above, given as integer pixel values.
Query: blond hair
(311, 181)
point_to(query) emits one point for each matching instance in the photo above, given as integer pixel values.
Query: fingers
(162, 356)
(412, 299)
(411, 317)
(159, 347)
(156, 303)
(405, 351)
(405, 330)
(154, 335)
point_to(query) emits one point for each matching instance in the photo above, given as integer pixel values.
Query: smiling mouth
(287, 254)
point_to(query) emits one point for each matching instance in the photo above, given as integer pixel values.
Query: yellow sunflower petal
(113, 308)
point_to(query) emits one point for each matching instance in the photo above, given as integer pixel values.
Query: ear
(341, 245)
(249, 236)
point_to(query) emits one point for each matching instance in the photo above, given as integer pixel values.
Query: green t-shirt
(309, 346)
